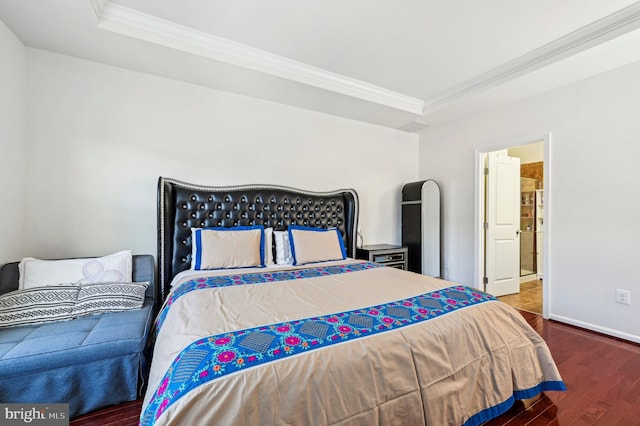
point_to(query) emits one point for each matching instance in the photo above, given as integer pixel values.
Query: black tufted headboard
(182, 206)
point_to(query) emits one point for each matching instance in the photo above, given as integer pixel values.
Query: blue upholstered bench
(88, 362)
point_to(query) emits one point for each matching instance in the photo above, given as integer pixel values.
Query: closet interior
(531, 227)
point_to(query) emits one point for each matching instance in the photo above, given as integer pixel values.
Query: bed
(333, 341)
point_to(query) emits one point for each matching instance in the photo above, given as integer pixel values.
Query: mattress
(338, 343)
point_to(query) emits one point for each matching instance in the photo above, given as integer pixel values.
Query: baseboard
(599, 329)
(527, 278)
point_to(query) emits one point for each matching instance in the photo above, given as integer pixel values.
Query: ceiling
(404, 65)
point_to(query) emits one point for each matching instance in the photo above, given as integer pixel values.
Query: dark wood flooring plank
(125, 414)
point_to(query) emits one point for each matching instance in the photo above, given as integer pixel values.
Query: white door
(502, 235)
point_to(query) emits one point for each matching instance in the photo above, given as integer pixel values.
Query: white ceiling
(384, 62)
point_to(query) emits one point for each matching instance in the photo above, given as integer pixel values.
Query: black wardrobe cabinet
(421, 226)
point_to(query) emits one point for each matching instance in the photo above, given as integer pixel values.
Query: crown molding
(413, 126)
(130, 22)
(598, 32)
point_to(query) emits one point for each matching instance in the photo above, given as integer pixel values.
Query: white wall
(98, 137)
(12, 121)
(593, 215)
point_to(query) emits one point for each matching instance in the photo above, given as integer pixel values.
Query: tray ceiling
(402, 65)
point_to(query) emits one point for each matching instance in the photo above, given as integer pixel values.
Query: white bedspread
(441, 371)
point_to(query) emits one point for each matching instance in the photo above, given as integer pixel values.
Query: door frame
(479, 203)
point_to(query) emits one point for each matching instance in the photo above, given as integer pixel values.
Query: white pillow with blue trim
(283, 248)
(310, 245)
(268, 246)
(222, 248)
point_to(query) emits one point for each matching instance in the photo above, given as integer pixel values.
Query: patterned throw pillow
(55, 303)
(109, 297)
(38, 305)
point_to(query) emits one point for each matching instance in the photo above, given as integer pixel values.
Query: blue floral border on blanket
(218, 355)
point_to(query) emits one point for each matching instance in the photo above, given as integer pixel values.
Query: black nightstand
(386, 254)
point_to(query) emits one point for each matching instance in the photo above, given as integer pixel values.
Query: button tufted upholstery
(182, 206)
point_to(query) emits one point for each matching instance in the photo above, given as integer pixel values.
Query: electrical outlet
(623, 296)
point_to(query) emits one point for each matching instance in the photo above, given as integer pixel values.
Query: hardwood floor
(602, 375)
(126, 414)
(529, 299)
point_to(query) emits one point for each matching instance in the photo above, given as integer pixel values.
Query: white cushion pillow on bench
(116, 267)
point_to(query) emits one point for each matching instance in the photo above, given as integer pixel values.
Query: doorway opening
(531, 209)
(512, 239)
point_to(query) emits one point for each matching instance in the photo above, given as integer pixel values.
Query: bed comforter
(348, 343)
